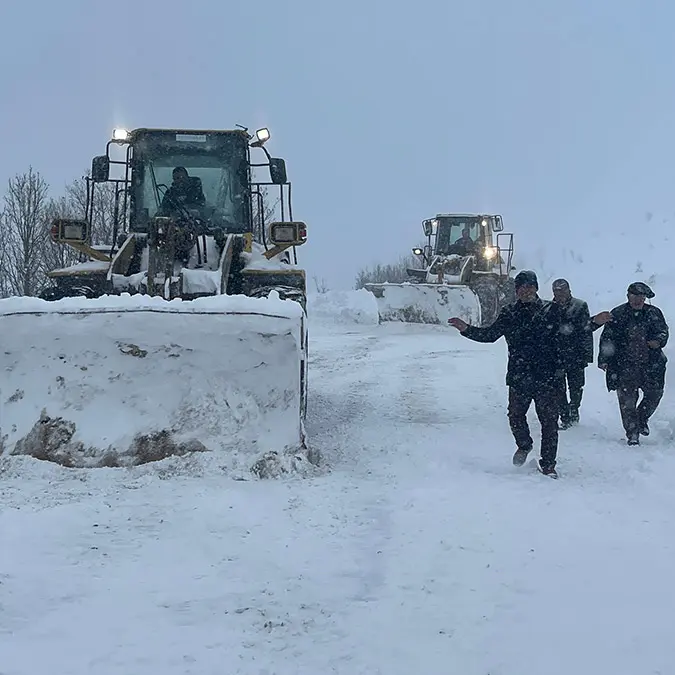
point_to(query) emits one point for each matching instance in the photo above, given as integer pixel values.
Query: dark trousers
(546, 404)
(574, 380)
(634, 416)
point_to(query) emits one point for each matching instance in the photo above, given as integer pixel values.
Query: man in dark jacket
(631, 354)
(531, 329)
(576, 338)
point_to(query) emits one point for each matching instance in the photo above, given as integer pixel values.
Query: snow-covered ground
(422, 550)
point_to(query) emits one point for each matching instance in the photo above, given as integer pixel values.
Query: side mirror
(68, 230)
(278, 171)
(498, 224)
(292, 233)
(427, 227)
(100, 169)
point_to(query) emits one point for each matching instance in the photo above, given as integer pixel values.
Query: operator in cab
(185, 192)
(463, 246)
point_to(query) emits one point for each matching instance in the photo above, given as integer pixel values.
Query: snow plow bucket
(128, 380)
(426, 303)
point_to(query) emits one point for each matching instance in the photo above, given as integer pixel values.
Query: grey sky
(386, 113)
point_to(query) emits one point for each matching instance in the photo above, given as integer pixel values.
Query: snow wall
(342, 307)
(126, 380)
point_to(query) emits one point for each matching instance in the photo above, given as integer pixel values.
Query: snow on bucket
(426, 303)
(127, 380)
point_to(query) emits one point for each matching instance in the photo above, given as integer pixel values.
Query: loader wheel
(487, 290)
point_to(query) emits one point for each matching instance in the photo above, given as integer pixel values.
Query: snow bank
(426, 303)
(88, 385)
(343, 307)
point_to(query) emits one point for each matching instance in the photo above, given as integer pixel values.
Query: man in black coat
(631, 354)
(531, 329)
(576, 340)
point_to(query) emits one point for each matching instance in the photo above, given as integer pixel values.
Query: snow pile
(426, 303)
(88, 385)
(343, 307)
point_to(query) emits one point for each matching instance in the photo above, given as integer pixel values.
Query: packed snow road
(423, 550)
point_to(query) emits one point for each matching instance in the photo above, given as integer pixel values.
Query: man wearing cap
(631, 354)
(531, 329)
(576, 338)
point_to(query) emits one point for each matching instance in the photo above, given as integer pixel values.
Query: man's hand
(653, 344)
(602, 318)
(460, 325)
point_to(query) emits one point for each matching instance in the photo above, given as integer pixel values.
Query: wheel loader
(182, 281)
(465, 270)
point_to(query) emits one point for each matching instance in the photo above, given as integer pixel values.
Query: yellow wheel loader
(465, 271)
(183, 333)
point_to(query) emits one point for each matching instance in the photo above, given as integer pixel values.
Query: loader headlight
(261, 137)
(484, 222)
(490, 252)
(120, 135)
(417, 251)
(69, 230)
(294, 233)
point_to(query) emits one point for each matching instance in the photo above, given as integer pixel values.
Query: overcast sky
(386, 113)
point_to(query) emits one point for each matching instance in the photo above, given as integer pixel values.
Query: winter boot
(633, 439)
(548, 470)
(644, 429)
(520, 456)
(574, 415)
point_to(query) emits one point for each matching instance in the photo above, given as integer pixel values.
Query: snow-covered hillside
(602, 252)
(421, 550)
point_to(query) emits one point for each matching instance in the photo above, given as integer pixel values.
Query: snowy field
(421, 551)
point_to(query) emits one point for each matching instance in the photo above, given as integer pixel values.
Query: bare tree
(24, 220)
(320, 285)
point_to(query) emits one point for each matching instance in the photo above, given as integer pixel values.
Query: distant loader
(465, 271)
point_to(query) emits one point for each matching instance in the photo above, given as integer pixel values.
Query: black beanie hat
(526, 278)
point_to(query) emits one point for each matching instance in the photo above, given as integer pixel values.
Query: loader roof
(224, 132)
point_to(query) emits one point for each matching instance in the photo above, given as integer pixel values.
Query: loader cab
(218, 171)
(206, 175)
(463, 235)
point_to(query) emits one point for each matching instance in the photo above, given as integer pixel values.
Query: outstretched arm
(599, 320)
(607, 346)
(490, 333)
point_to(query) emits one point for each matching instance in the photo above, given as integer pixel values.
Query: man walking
(531, 329)
(576, 344)
(631, 354)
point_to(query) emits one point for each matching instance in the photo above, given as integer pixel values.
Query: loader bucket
(127, 380)
(426, 303)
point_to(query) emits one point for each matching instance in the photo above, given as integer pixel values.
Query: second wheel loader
(465, 271)
(181, 333)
